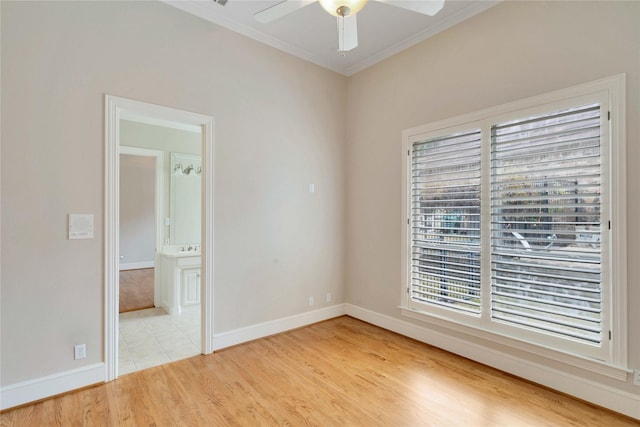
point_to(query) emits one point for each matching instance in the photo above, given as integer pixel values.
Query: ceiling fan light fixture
(342, 7)
(345, 11)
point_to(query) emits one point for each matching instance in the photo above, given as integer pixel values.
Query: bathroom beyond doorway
(136, 289)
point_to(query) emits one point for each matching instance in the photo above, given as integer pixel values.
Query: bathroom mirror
(185, 199)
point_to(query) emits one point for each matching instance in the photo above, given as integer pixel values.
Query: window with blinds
(515, 223)
(546, 223)
(445, 221)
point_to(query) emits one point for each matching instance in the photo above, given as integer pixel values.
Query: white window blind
(445, 221)
(516, 221)
(546, 225)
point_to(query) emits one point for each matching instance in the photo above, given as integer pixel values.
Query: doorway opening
(134, 237)
(141, 215)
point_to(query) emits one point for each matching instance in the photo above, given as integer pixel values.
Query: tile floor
(152, 337)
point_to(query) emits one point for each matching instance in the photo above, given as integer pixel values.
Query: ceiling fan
(345, 11)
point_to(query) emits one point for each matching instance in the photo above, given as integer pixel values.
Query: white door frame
(115, 109)
(158, 201)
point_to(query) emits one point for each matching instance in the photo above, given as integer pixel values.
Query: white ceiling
(311, 33)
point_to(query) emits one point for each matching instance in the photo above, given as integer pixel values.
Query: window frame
(610, 93)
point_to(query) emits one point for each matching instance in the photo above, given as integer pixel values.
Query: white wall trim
(51, 385)
(591, 391)
(137, 265)
(208, 11)
(448, 22)
(588, 390)
(265, 329)
(115, 109)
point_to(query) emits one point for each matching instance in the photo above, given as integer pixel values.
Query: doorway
(140, 225)
(200, 283)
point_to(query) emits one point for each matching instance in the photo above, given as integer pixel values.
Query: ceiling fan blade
(347, 33)
(281, 9)
(426, 7)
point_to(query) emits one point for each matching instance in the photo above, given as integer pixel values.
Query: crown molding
(207, 10)
(451, 20)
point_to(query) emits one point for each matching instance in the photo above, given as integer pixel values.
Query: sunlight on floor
(152, 337)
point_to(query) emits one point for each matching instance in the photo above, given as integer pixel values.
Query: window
(546, 263)
(445, 212)
(509, 215)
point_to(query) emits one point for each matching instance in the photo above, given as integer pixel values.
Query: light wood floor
(341, 372)
(136, 289)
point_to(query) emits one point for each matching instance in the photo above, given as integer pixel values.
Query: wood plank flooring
(136, 289)
(341, 372)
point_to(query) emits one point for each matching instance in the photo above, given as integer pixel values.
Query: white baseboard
(591, 391)
(261, 330)
(40, 388)
(51, 385)
(582, 388)
(136, 265)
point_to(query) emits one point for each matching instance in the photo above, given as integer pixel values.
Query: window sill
(591, 365)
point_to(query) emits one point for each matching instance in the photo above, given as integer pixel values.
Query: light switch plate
(80, 226)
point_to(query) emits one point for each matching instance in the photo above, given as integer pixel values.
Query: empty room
(393, 213)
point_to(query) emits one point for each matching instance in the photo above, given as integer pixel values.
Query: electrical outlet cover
(80, 351)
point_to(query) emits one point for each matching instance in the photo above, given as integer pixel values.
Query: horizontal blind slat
(498, 284)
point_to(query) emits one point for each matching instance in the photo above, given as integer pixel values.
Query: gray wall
(279, 127)
(168, 140)
(137, 209)
(510, 52)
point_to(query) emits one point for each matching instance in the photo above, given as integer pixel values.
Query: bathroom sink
(187, 252)
(181, 251)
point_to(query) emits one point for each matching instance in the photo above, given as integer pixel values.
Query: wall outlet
(311, 301)
(328, 296)
(79, 351)
(636, 377)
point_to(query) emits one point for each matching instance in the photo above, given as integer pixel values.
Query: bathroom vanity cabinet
(179, 280)
(190, 286)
